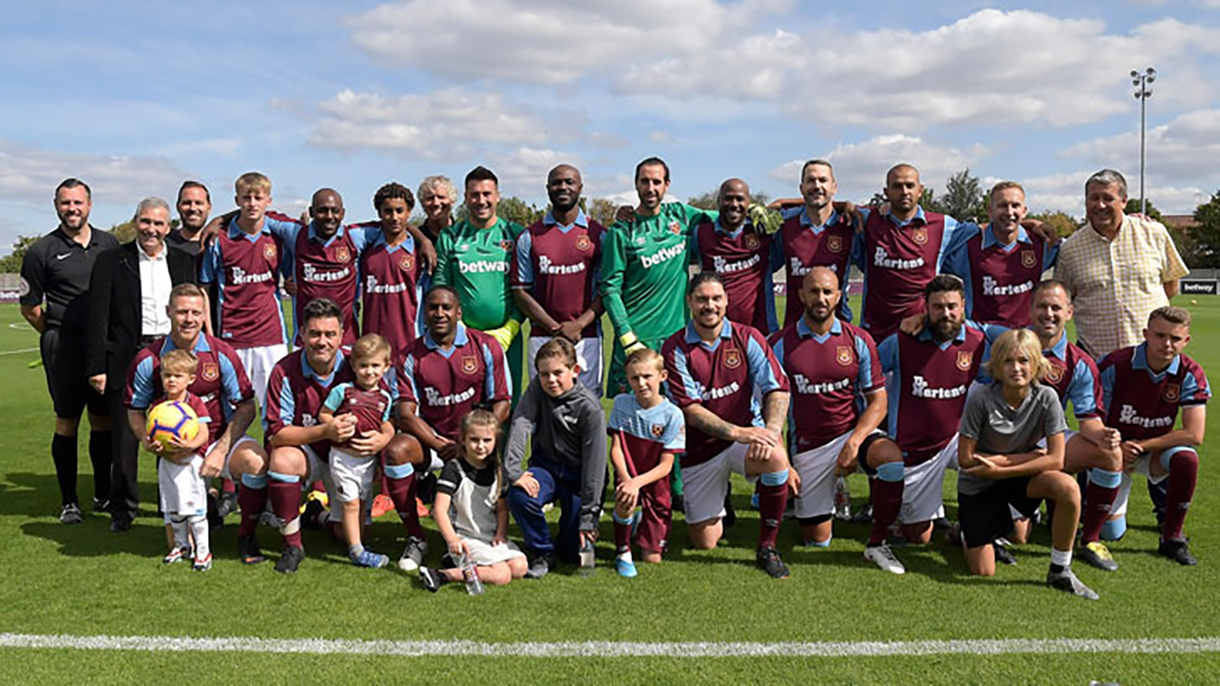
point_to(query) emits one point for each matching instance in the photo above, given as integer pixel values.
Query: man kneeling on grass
(1002, 463)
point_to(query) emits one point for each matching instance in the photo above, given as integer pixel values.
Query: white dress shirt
(155, 286)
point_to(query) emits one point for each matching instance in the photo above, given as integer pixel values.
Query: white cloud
(30, 175)
(860, 168)
(523, 171)
(1184, 149)
(1065, 193)
(543, 41)
(989, 68)
(447, 124)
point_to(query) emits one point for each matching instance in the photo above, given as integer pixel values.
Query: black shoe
(1096, 554)
(1067, 582)
(248, 550)
(1177, 550)
(101, 504)
(863, 515)
(768, 558)
(1003, 554)
(540, 567)
(226, 505)
(425, 488)
(730, 514)
(431, 578)
(290, 559)
(214, 520)
(120, 521)
(310, 518)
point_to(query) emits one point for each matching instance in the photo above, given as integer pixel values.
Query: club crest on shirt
(920, 235)
(658, 430)
(1054, 373)
(843, 355)
(675, 228)
(506, 245)
(834, 243)
(470, 364)
(583, 243)
(343, 254)
(1172, 392)
(209, 371)
(732, 358)
(269, 250)
(407, 262)
(1028, 259)
(964, 358)
(751, 242)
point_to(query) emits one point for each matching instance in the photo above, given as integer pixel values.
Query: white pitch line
(18, 352)
(599, 649)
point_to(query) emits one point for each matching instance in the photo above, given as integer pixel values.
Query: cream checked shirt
(1115, 284)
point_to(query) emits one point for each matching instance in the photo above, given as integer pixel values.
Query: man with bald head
(899, 252)
(832, 366)
(731, 246)
(322, 261)
(555, 276)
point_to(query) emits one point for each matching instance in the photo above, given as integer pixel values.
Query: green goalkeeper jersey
(475, 262)
(644, 271)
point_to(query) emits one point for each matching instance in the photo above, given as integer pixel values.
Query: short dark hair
(701, 278)
(74, 183)
(393, 189)
(816, 162)
(447, 289)
(1171, 314)
(194, 184)
(944, 283)
(321, 308)
(559, 348)
(1047, 284)
(650, 162)
(481, 173)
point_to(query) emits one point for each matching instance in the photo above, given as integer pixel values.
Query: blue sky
(351, 95)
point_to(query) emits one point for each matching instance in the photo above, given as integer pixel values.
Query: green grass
(85, 581)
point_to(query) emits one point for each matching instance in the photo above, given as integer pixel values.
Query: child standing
(184, 494)
(366, 405)
(471, 511)
(647, 434)
(1002, 463)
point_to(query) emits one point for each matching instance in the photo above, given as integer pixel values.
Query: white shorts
(352, 475)
(224, 470)
(1143, 465)
(183, 490)
(319, 469)
(486, 554)
(923, 487)
(588, 355)
(705, 485)
(258, 363)
(816, 467)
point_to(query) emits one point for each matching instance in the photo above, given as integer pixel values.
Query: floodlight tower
(1143, 90)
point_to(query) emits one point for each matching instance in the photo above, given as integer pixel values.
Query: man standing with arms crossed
(57, 270)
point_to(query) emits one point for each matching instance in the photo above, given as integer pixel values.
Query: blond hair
(645, 356)
(371, 345)
(1004, 186)
(252, 181)
(179, 361)
(1015, 341)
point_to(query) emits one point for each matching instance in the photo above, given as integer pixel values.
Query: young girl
(470, 509)
(1002, 463)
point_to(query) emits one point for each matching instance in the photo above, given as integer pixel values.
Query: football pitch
(81, 605)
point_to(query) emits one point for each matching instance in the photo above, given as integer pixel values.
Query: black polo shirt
(192, 248)
(58, 269)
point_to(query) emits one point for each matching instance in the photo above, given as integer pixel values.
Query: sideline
(602, 649)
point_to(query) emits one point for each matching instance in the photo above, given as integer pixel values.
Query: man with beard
(130, 287)
(55, 300)
(932, 372)
(718, 372)
(554, 277)
(740, 252)
(839, 401)
(194, 206)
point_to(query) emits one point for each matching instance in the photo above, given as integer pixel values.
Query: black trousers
(124, 484)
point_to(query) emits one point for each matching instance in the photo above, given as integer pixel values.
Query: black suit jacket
(114, 315)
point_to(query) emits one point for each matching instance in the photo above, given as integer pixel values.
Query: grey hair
(430, 184)
(150, 202)
(1107, 177)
